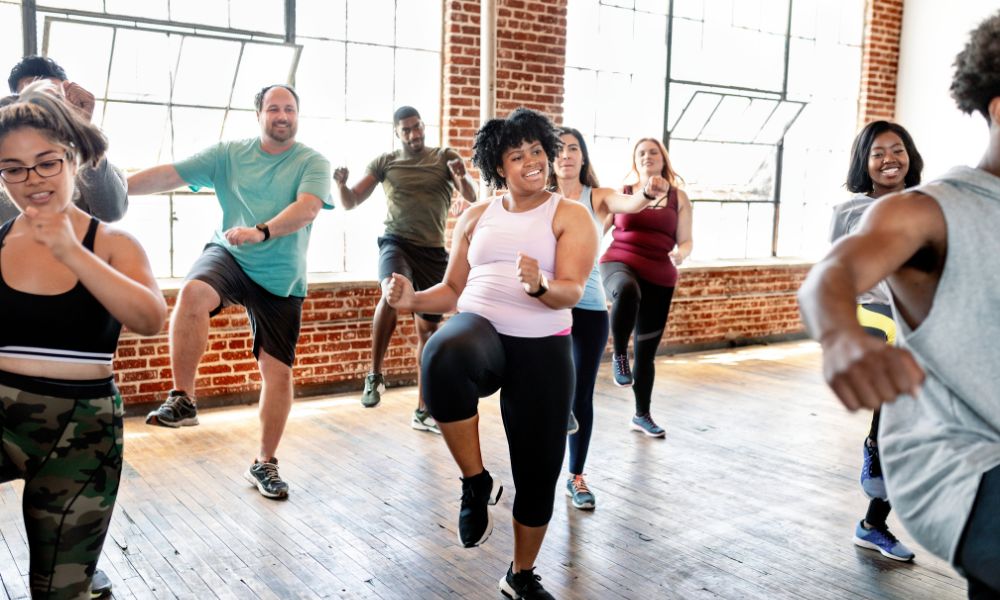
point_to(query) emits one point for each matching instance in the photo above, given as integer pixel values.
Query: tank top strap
(91, 235)
(672, 199)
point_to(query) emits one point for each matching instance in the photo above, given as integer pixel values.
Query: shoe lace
(646, 420)
(887, 535)
(270, 472)
(621, 363)
(529, 581)
(580, 485)
(874, 464)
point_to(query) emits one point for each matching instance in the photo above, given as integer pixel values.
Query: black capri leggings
(642, 307)
(467, 360)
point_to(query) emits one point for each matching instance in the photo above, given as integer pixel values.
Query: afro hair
(499, 135)
(977, 69)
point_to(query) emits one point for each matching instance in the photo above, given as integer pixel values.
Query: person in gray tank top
(939, 389)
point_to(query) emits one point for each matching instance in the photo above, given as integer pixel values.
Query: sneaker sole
(493, 499)
(643, 431)
(507, 591)
(421, 427)
(580, 505)
(870, 546)
(253, 481)
(152, 419)
(621, 385)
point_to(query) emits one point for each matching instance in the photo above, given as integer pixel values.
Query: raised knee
(197, 297)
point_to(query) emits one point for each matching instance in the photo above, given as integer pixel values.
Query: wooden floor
(753, 494)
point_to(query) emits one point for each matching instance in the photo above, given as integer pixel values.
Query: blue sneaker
(872, 482)
(622, 372)
(883, 541)
(645, 424)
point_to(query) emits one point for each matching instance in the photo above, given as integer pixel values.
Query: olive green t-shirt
(418, 193)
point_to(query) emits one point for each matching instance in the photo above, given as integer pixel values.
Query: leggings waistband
(81, 389)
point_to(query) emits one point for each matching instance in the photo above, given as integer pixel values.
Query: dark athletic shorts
(421, 265)
(274, 320)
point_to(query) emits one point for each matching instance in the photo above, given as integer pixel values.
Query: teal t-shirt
(254, 186)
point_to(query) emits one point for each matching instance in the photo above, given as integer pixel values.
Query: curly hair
(859, 180)
(497, 136)
(977, 69)
(38, 107)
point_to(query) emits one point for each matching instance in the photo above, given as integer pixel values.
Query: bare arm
(294, 217)
(863, 371)
(576, 250)
(607, 201)
(161, 178)
(350, 197)
(684, 221)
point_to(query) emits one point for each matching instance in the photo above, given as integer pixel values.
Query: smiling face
(648, 159)
(29, 147)
(279, 115)
(569, 161)
(888, 164)
(525, 167)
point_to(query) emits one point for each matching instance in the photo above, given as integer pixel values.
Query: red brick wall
(880, 60)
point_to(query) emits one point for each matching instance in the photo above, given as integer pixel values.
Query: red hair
(667, 172)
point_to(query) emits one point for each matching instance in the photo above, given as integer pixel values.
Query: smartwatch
(265, 229)
(543, 286)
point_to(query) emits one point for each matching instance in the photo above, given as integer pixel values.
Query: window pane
(760, 230)
(612, 160)
(11, 41)
(200, 56)
(418, 24)
(150, 9)
(370, 21)
(613, 98)
(241, 124)
(326, 242)
(261, 65)
(320, 79)
(89, 5)
(581, 98)
(83, 51)
(194, 130)
(205, 12)
(141, 66)
(258, 15)
(321, 18)
(138, 134)
(418, 83)
(196, 216)
(368, 69)
(148, 218)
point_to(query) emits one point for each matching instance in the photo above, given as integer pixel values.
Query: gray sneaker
(265, 476)
(100, 584)
(176, 411)
(374, 388)
(423, 421)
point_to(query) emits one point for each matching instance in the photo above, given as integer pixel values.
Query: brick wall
(880, 60)
(713, 306)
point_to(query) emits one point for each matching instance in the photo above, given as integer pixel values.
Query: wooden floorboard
(753, 494)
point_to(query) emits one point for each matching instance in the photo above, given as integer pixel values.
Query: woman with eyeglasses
(67, 284)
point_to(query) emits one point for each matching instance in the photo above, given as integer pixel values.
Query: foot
(872, 481)
(583, 498)
(100, 584)
(573, 425)
(265, 476)
(423, 421)
(881, 539)
(645, 424)
(475, 523)
(523, 584)
(622, 372)
(374, 388)
(177, 410)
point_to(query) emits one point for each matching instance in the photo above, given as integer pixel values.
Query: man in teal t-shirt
(270, 189)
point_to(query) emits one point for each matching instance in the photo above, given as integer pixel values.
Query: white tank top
(492, 290)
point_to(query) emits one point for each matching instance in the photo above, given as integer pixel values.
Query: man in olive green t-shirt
(419, 183)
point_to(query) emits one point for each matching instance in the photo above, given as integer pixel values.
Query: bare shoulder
(571, 209)
(470, 218)
(912, 212)
(118, 242)
(682, 199)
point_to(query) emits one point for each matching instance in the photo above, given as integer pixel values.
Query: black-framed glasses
(45, 169)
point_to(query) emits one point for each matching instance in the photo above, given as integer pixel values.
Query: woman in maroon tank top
(639, 271)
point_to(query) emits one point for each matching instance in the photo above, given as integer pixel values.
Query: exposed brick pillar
(880, 60)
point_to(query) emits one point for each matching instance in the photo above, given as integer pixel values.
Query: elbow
(152, 319)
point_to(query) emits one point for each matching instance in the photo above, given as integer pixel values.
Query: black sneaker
(100, 584)
(523, 584)
(176, 411)
(475, 523)
(622, 372)
(265, 476)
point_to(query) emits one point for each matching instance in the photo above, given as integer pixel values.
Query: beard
(282, 135)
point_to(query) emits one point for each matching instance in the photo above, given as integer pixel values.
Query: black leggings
(885, 330)
(979, 549)
(590, 335)
(467, 360)
(640, 307)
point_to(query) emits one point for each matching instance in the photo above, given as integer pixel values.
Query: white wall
(933, 33)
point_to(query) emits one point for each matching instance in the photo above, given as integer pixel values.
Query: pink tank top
(492, 290)
(644, 240)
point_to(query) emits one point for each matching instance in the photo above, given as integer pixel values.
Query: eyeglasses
(46, 168)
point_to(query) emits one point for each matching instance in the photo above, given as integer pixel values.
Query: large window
(173, 77)
(760, 106)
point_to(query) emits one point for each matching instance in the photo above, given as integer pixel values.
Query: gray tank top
(936, 447)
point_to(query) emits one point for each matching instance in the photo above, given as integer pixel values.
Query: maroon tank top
(644, 240)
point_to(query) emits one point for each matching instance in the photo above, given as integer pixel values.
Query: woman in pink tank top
(518, 265)
(639, 271)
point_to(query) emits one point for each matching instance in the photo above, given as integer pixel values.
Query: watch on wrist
(646, 194)
(262, 227)
(543, 286)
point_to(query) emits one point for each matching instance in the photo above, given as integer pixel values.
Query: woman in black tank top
(67, 284)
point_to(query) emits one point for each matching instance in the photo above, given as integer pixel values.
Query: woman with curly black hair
(939, 436)
(518, 265)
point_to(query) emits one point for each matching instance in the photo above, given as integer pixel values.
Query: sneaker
(882, 540)
(423, 421)
(573, 426)
(523, 584)
(100, 584)
(645, 424)
(374, 388)
(265, 476)
(623, 374)
(475, 523)
(176, 411)
(872, 481)
(583, 498)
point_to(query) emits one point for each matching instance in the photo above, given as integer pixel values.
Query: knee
(197, 298)
(626, 290)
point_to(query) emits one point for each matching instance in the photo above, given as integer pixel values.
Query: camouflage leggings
(69, 453)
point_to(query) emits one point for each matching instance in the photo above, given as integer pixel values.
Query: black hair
(258, 100)
(977, 69)
(35, 66)
(858, 179)
(497, 136)
(404, 112)
(587, 174)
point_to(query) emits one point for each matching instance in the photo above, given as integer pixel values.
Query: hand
(79, 98)
(656, 186)
(340, 175)
(866, 373)
(458, 205)
(239, 236)
(676, 257)
(528, 273)
(457, 167)
(53, 230)
(398, 292)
